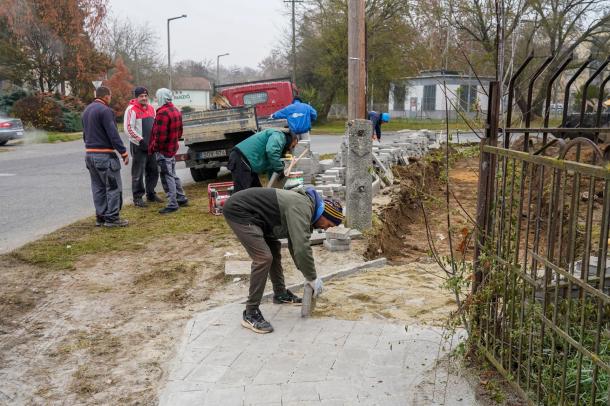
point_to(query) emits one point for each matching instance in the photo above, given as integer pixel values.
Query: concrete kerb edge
(376, 263)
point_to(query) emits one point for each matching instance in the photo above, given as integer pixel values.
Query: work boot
(167, 210)
(154, 198)
(99, 221)
(255, 321)
(116, 223)
(138, 202)
(287, 298)
(183, 203)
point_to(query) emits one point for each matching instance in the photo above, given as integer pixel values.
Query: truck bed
(215, 125)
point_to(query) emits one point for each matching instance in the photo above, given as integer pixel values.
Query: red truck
(210, 135)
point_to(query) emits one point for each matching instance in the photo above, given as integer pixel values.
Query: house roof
(191, 83)
(449, 74)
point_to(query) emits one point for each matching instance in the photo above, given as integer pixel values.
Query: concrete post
(359, 182)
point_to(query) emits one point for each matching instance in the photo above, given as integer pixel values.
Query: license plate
(212, 154)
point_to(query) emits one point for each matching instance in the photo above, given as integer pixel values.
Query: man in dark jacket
(257, 154)
(101, 141)
(166, 132)
(137, 122)
(261, 216)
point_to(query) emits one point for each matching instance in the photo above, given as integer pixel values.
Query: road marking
(7, 174)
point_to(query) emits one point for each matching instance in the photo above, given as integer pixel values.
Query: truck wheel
(203, 174)
(3, 142)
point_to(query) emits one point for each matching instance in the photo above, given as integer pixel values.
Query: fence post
(486, 175)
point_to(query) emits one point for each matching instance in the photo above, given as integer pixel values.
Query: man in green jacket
(261, 216)
(259, 153)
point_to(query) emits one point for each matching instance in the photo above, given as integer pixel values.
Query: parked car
(10, 129)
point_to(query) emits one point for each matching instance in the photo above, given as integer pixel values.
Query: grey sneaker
(116, 223)
(256, 322)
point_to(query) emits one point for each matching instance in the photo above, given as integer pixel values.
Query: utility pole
(356, 54)
(294, 40)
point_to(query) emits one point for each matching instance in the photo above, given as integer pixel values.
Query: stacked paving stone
(330, 177)
(338, 239)
(308, 164)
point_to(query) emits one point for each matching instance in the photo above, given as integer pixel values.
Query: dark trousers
(144, 172)
(266, 255)
(106, 187)
(243, 177)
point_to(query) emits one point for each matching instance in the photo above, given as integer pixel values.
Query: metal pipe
(530, 92)
(511, 94)
(549, 90)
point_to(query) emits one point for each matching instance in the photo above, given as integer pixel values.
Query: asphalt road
(46, 186)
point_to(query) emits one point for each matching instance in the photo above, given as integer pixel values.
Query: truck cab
(267, 96)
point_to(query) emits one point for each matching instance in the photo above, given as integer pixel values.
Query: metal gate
(541, 291)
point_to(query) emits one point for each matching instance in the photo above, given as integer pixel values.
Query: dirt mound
(401, 233)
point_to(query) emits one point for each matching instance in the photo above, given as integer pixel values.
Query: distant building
(192, 91)
(423, 96)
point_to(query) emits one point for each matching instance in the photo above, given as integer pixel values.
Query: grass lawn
(62, 248)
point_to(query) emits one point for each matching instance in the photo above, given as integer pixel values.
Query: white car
(10, 129)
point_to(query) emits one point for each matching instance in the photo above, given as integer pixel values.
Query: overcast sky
(247, 29)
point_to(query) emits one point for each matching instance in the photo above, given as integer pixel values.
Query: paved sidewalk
(309, 362)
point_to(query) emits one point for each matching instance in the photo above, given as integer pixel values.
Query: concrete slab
(311, 361)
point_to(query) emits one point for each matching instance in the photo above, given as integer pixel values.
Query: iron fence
(541, 292)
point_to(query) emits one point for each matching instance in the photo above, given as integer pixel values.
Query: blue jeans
(106, 187)
(171, 183)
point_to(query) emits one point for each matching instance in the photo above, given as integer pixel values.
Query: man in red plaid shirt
(166, 132)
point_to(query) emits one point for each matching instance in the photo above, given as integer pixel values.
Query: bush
(8, 100)
(39, 111)
(52, 113)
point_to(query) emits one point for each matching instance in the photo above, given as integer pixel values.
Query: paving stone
(225, 396)
(238, 267)
(336, 247)
(299, 392)
(338, 233)
(344, 390)
(186, 398)
(207, 373)
(263, 395)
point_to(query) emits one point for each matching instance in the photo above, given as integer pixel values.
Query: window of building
(468, 97)
(429, 99)
(252, 99)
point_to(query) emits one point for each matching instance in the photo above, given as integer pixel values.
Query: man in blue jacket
(101, 141)
(377, 119)
(299, 116)
(259, 153)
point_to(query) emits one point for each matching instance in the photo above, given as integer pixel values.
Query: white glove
(317, 285)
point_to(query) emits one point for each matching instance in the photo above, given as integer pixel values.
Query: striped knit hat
(333, 211)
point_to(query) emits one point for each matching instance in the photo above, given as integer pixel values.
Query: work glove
(317, 285)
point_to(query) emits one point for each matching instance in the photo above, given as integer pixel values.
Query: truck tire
(3, 142)
(203, 174)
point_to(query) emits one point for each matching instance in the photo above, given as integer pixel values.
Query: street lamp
(217, 66)
(169, 53)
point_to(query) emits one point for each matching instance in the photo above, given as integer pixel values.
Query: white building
(423, 96)
(192, 91)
